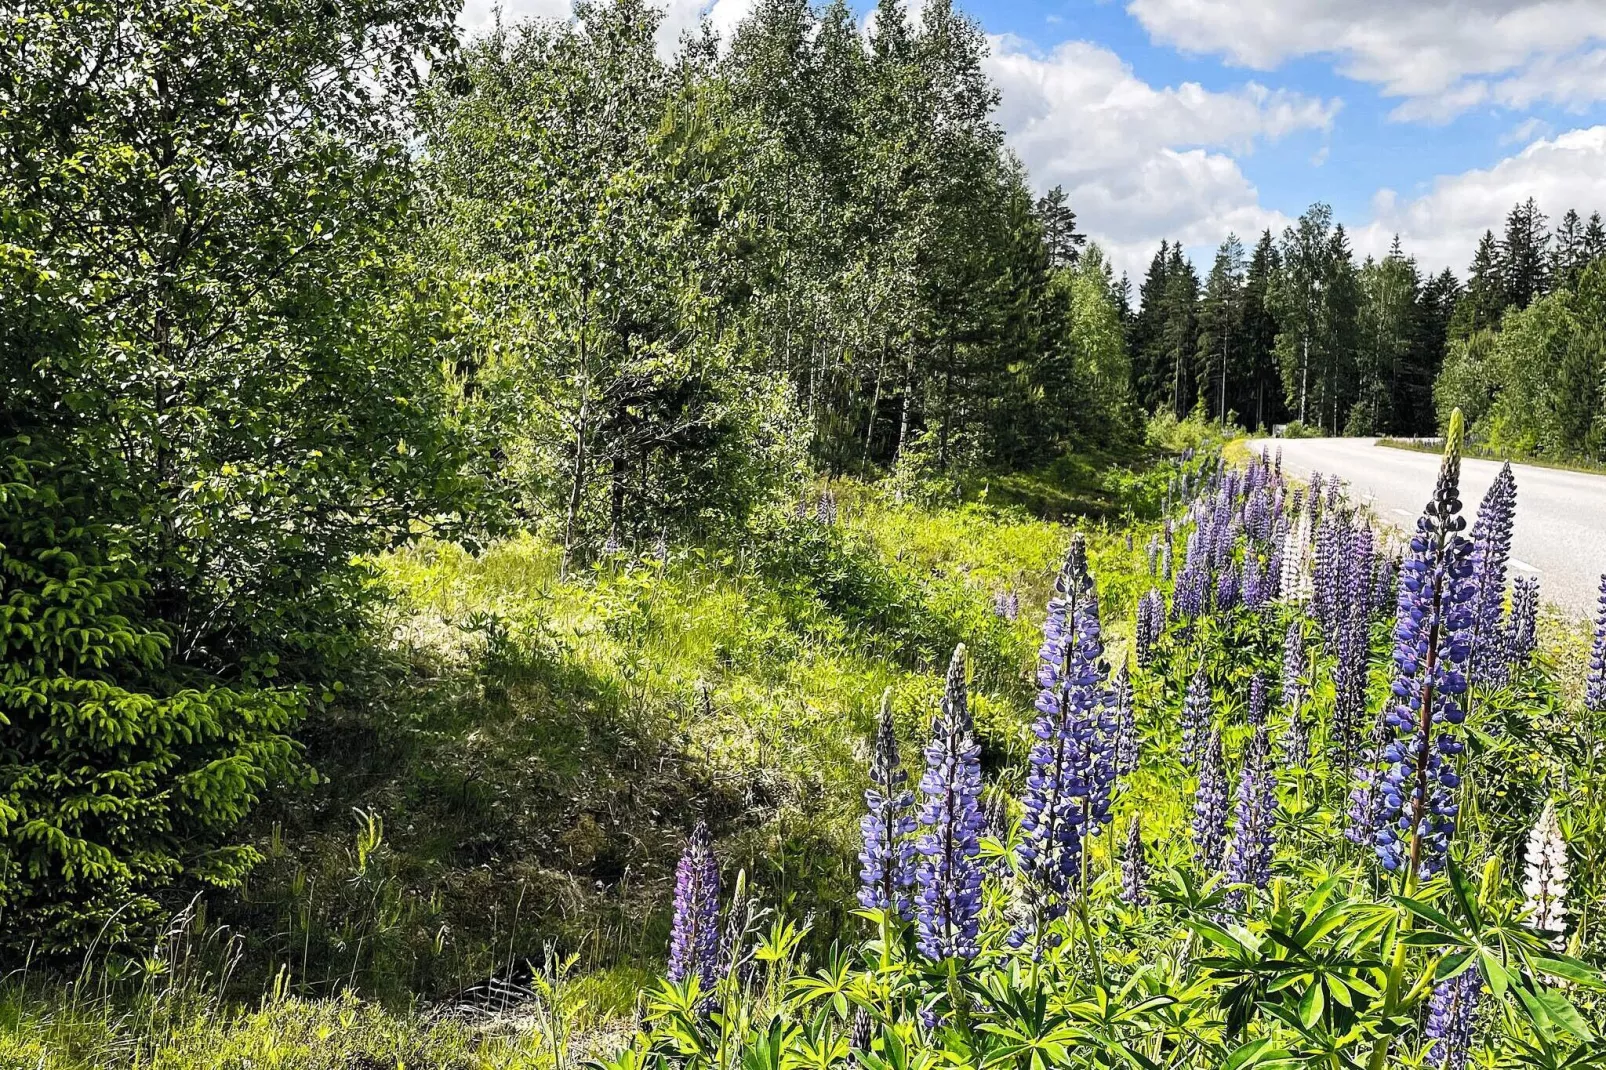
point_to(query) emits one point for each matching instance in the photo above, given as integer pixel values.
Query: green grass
(514, 775)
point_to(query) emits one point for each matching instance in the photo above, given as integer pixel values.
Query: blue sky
(1189, 119)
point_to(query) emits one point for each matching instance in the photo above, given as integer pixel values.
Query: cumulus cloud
(680, 16)
(1440, 56)
(1142, 163)
(1441, 227)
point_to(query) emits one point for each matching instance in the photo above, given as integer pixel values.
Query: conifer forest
(544, 548)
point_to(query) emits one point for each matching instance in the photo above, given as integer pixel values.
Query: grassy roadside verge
(1478, 453)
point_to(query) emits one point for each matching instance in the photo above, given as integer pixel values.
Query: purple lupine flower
(1257, 701)
(1072, 765)
(1134, 867)
(1364, 797)
(888, 853)
(1126, 723)
(1523, 630)
(948, 876)
(1418, 805)
(1254, 839)
(1210, 807)
(1334, 492)
(1254, 585)
(1227, 591)
(1277, 465)
(1006, 605)
(1491, 549)
(861, 1035)
(1451, 1012)
(1295, 741)
(1195, 717)
(1166, 554)
(694, 937)
(1150, 625)
(1595, 685)
(1154, 553)
(1295, 666)
(1350, 676)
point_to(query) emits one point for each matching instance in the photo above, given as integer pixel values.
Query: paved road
(1561, 516)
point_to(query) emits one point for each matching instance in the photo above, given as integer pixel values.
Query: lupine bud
(948, 876)
(694, 937)
(888, 853)
(1451, 1012)
(1134, 867)
(1595, 686)
(1491, 549)
(1006, 605)
(860, 1037)
(1195, 717)
(1523, 631)
(1545, 882)
(1210, 807)
(1417, 783)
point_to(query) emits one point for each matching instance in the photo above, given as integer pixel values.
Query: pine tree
(1150, 383)
(1524, 259)
(1484, 300)
(1263, 398)
(1179, 332)
(1221, 314)
(1567, 251)
(1059, 228)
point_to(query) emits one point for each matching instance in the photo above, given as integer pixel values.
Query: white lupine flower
(1296, 578)
(1545, 883)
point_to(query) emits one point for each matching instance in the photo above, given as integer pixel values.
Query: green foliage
(216, 391)
(1534, 387)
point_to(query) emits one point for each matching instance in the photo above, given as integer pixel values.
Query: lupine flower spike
(1195, 717)
(1595, 686)
(1491, 549)
(887, 857)
(694, 937)
(1126, 726)
(1210, 807)
(1417, 810)
(1134, 867)
(1450, 1016)
(949, 876)
(1522, 632)
(1544, 883)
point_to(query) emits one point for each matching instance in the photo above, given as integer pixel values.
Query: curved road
(1561, 516)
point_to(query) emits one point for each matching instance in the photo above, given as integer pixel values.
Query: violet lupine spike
(1210, 807)
(1254, 837)
(1254, 582)
(1126, 723)
(1595, 685)
(1350, 677)
(1072, 769)
(1295, 667)
(1006, 605)
(887, 857)
(1195, 717)
(948, 875)
(1166, 555)
(1296, 740)
(1491, 550)
(1227, 592)
(1418, 783)
(1150, 625)
(1364, 797)
(1153, 550)
(1523, 629)
(1451, 1013)
(1134, 867)
(694, 938)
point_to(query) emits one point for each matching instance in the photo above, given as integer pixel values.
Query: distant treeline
(1298, 331)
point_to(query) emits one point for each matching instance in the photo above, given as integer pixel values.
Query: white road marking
(1402, 512)
(1525, 566)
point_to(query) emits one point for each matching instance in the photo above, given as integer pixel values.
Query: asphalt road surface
(1561, 516)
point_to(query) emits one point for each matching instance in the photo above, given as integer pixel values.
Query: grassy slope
(519, 769)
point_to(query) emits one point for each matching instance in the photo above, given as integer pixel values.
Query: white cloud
(1142, 163)
(1441, 56)
(1441, 227)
